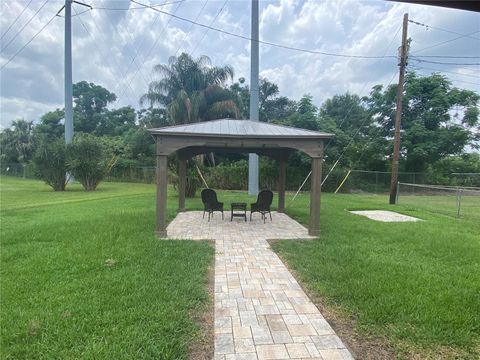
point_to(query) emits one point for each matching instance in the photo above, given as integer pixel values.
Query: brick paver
(261, 312)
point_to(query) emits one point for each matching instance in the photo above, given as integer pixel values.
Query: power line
(446, 42)
(361, 125)
(266, 42)
(16, 19)
(133, 46)
(443, 63)
(96, 45)
(456, 80)
(415, 68)
(23, 27)
(449, 57)
(154, 44)
(364, 86)
(211, 23)
(24, 46)
(137, 8)
(449, 72)
(444, 30)
(191, 26)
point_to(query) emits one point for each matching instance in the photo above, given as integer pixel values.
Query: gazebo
(245, 136)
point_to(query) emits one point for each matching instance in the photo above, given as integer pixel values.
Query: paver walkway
(261, 312)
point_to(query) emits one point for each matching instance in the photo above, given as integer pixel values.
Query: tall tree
(429, 129)
(192, 90)
(348, 117)
(91, 102)
(117, 121)
(273, 108)
(17, 142)
(51, 126)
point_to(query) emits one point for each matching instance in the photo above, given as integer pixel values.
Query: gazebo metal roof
(239, 128)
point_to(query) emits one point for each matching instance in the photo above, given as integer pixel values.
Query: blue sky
(106, 41)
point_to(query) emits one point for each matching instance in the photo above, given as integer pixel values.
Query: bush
(87, 161)
(50, 163)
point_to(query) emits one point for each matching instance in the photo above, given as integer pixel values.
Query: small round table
(239, 209)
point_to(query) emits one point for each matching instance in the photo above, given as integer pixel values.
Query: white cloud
(33, 82)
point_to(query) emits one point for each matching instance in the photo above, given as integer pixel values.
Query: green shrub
(87, 161)
(50, 163)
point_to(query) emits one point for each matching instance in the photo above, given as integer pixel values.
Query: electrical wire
(24, 46)
(364, 86)
(24, 26)
(446, 42)
(437, 71)
(450, 57)
(443, 63)
(16, 19)
(211, 23)
(191, 26)
(456, 80)
(449, 72)
(133, 42)
(440, 29)
(98, 48)
(265, 42)
(153, 46)
(137, 8)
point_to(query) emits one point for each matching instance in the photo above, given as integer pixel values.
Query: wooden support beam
(281, 184)
(162, 182)
(182, 183)
(315, 192)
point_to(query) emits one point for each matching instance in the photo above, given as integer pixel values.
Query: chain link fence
(235, 177)
(459, 202)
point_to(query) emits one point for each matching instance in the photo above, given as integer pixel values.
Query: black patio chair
(210, 203)
(264, 200)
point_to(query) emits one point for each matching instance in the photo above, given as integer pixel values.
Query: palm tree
(192, 90)
(17, 142)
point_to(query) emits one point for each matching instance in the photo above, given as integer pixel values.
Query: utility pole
(253, 173)
(398, 115)
(68, 69)
(68, 73)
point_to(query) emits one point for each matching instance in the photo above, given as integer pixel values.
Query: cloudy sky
(118, 42)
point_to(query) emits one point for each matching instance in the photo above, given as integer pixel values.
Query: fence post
(398, 193)
(376, 182)
(459, 201)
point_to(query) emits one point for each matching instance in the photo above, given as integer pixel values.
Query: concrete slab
(385, 215)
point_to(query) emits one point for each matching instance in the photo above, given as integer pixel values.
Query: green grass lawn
(416, 284)
(60, 299)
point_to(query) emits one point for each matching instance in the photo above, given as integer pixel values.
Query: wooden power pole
(398, 115)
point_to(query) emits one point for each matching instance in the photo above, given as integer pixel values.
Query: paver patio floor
(261, 312)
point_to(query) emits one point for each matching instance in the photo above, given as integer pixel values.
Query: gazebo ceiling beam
(169, 144)
(276, 154)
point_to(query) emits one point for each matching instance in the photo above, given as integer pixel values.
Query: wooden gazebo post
(182, 182)
(315, 192)
(281, 184)
(162, 182)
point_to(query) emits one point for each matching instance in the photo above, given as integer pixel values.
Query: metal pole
(397, 194)
(459, 202)
(253, 173)
(398, 115)
(68, 73)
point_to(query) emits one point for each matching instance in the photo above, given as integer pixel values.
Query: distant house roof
(239, 128)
